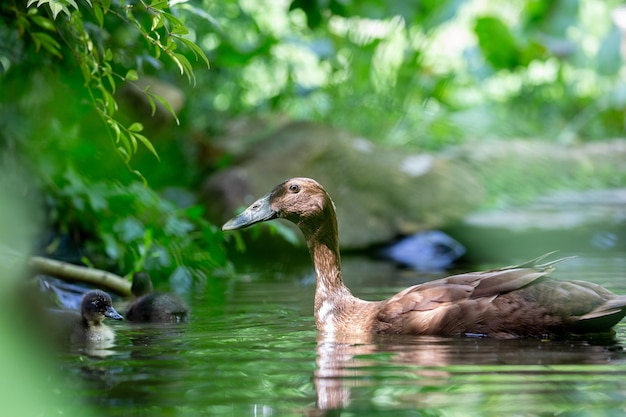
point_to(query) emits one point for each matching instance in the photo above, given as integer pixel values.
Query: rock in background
(379, 193)
(496, 197)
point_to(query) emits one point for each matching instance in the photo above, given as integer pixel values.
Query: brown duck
(515, 301)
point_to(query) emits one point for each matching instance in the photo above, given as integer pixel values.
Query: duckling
(88, 327)
(156, 307)
(515, 301)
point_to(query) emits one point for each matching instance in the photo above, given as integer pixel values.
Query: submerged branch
(96, 277)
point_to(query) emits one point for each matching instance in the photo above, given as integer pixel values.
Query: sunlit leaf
(196, 50)
(136, 127)
(131, 75)
(179, 30)
(159, 4)
(57, 8)
(178, 63)
(157, 21)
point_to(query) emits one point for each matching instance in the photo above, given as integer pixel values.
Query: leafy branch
(96, 63)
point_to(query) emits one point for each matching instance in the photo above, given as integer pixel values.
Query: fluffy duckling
(515, 301)
(155, 307)
(88, 327)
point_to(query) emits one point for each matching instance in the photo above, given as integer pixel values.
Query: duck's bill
(259, 211)
(112, 314)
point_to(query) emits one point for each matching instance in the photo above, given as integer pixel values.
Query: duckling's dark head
(97, 305)
(297, 199)
(142, 284)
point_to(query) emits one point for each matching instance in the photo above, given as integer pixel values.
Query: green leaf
(146, 142)
(124, 141)
(184, 65)
(157, 22)
(167, 106)
(109, 101)
(47, 42)
(497, 44)
(159, 4)
(177, 61)
(196, 50)
(57, 8)
(174, 21)
(133, 143)
(123, 153)
(131, 75)
(179, 30)
(152, 104)
(43, 22)
(136, 127)
(98, 14)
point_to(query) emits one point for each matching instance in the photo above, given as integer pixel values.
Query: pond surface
(256, 353)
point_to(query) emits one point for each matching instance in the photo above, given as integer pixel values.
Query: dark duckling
(88, 327)
(515, 301)
(155, 307)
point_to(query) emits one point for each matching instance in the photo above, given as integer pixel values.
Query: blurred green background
(92, 92)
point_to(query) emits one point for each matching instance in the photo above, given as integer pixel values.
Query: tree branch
(97, 277)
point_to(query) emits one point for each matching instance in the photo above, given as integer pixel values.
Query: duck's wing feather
(453, 304)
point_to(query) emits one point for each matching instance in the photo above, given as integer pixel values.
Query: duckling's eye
(294, 188)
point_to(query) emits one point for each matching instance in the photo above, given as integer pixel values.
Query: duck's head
(142, 284)
(97, 305)
(297, 200)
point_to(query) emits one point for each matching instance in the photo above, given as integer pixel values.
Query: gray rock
(379, 192)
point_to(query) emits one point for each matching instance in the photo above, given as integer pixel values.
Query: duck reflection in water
(356, 363)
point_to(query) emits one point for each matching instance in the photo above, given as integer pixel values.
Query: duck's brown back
(517, 302)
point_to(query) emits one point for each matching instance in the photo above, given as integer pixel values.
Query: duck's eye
(294, 188)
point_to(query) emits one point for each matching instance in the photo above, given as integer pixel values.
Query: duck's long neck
(331, 295)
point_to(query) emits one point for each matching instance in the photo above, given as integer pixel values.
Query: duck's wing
(454, 304)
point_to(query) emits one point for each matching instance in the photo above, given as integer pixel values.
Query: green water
(257, 354)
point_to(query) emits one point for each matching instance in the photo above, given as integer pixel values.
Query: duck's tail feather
(534, 263)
